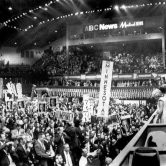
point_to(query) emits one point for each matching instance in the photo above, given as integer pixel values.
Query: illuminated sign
(124, 24)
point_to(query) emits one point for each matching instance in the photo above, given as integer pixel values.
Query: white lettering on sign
(105, 88)
(131, 24)
(86, 108)
(103, 27)
(108, 26)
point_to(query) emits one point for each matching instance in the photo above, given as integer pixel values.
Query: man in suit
(4, 160)
(60, 139)
(8, 156)
(49, 148)
(22, 152)
(40, 150)
(74, 143)
(67, 156)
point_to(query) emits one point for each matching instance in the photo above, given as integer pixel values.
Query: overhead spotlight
(55, 31)
(35, 44)
(45, 9)
(30, 11)
(10, 8)
(15, 43)
(25, 30)
(116, 7)
(123, 7)
(35, 18)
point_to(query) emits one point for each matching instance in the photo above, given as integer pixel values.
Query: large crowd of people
(30, 135)
(85, 60)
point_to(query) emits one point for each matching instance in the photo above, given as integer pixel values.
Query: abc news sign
(122, 25)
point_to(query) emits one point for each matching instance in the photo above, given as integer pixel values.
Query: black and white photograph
(9, 105)
(53, 102)
(42, 107)
(21, 104)
(82, 82)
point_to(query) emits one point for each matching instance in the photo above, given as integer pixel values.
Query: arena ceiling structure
(36, 23)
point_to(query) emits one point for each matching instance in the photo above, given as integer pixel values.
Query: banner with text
(105, 88)
(86, 108)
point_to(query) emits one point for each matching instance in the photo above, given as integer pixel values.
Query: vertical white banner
(1, 88)
(19, 90)
(105, 89)
(86, 108)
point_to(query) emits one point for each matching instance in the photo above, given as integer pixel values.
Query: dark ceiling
(13, 32)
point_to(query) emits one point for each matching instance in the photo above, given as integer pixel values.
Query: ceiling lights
(116, 7)
(10, 8)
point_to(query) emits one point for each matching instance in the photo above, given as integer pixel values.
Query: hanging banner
(105, 89)
(1, 88)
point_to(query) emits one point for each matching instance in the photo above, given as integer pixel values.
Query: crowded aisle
(26, 128)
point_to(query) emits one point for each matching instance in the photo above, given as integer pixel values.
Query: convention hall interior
(82, 83)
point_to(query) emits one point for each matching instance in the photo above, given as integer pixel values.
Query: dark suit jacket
(59, 143)
(22, 154)
(4, 160)
(64, 158)
(72, 133)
